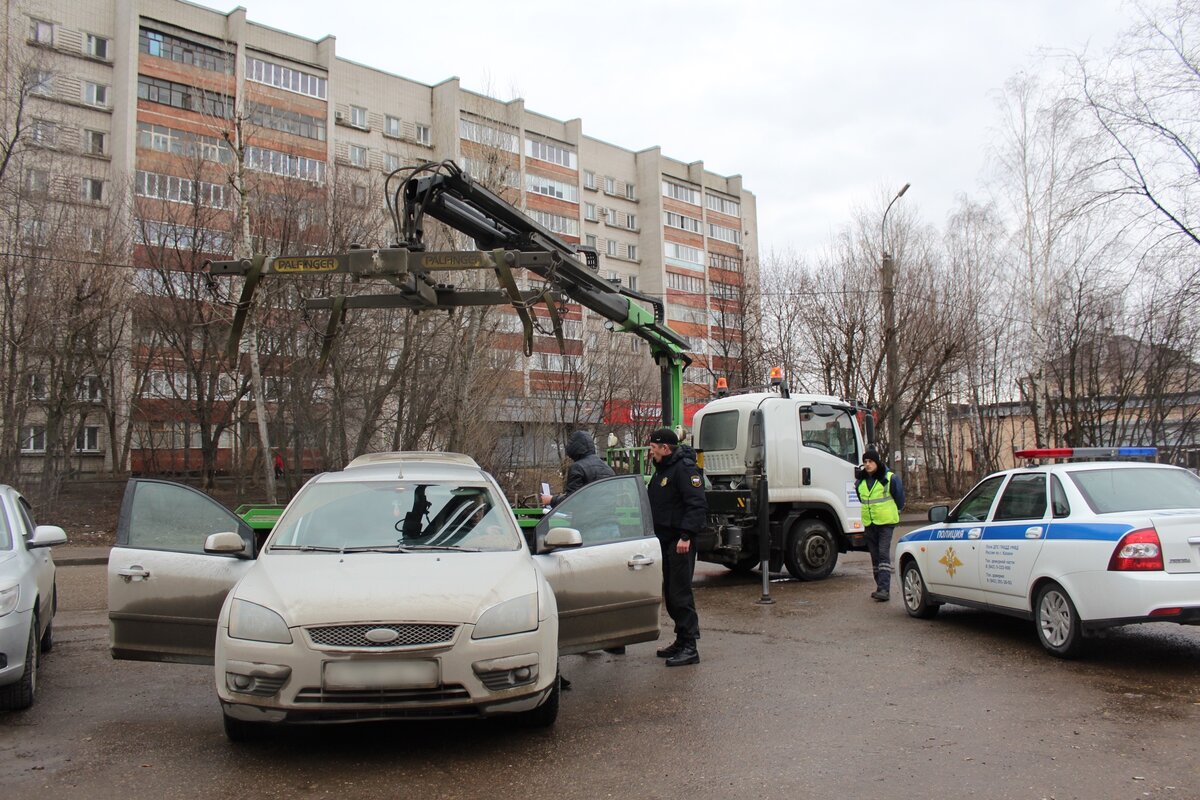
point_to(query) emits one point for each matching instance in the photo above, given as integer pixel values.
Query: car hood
(322, 589)
(7, 555)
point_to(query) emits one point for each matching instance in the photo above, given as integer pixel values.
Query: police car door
(1012, 539)
(952, 561)
(609, 589)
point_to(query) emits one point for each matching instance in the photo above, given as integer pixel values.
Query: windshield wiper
(307, 548)
(376, 548)
(409, 548)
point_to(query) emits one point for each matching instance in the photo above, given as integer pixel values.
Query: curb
(80, 561)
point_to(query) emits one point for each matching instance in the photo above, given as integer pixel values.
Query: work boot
(687, 655)
(670, 650)
(881, 596)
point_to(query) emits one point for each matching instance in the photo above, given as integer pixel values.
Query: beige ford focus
(400, 587)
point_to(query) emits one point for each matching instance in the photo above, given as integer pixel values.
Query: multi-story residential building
(150, 102)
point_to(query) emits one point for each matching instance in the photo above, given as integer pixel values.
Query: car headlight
(257, 623)
(512, 616)
(8, 599)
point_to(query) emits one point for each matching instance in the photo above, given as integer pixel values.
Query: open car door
(608, 589)
(164, 592)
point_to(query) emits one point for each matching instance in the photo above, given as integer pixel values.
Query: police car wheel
(1058, 626)
(916, 598)
(811, 553)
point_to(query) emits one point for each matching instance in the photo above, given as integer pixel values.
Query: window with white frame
(610, 185)
(722, 261)
(179, 190)
(611, 245)
(724, 234)
(590, 240)
(725, 291)
(88, 439)
(681, 221)
(424, 135)
(44, 133)
(41, 32)
(631, 221)
(182, 143)
(391, 126)
(633, 281)
(725, 319)
(682, 313)
(391, 162)
(487, 135)
(689, 257)
(275, 162)
(723, 205)
(553, 153)
(678, 191)
(293, 80)
(91, 190)
(629, 191)
(37, 181)
(631, 252)
(554, 222)
(685, 283)
(97, 46)
(358, 117)
(33, 439)
(610, 216)
(358, 155)
(550, 187)
(41, 82)
(589, 211)
(95, 143)
(95, 94)
(95, 239)
(589, 180)
(37, 387)
(35, 232)
(359, 194)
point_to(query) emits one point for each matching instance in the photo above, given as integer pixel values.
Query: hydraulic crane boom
(506, 239)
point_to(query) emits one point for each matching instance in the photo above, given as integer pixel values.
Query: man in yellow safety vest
(882, 496)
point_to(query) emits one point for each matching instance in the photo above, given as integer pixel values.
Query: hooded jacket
(586, 466)
(677, 497)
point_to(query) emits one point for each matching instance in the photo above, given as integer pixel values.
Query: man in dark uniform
(680, 511)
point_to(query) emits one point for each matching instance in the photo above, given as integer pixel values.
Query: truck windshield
(831, 433)
(719, 431)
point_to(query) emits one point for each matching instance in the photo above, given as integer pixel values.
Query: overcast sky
(820, 106)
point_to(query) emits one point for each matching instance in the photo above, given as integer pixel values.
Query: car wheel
(239, 730)
(811, 553)
(1058, 626)
(544, 715)
(916, 598)
(19, 695)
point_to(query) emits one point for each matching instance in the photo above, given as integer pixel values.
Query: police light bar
(1088, 452)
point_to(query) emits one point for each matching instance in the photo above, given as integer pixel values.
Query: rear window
(1112, 490)
(719, 431)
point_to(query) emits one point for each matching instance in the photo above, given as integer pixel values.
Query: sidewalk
(69, 555)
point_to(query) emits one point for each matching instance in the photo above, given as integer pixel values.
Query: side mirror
(939, 513)
(46, 536)
(562, 537)
(227, 542)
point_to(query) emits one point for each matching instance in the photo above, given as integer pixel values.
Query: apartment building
(142, 96)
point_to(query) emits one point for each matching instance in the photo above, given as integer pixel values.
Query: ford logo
(382, 635)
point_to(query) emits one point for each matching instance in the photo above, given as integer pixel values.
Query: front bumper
(264, 682)
(14, 641)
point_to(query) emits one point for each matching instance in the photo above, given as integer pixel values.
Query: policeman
(882, 496)
(680, 510)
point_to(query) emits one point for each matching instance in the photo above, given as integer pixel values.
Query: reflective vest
(878, 507)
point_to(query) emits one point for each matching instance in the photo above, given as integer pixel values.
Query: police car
(1076, 547)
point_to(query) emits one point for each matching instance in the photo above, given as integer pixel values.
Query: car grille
(450, 693)
(409, 635)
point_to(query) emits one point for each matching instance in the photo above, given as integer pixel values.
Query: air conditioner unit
(338, 116)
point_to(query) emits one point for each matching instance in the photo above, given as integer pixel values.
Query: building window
(610, 216)
(487, 135)
(391, 126)
(722, 205)
(95, 143)
(590, 240)
(179, 190)
(42, 83)
(95, 240)
(88, 440)
(553, 153)
(680, 192)
(35, 233)
(611, 247)
(37, 181)
(610, 186)
(554, 222)
(33, 439)
(97, 46)
(91, 190)
(589, 180)
(724, 234)
(292, 122)
(44, 133)
(391, 162)
(358, 117)
(41, 32)
(358, 155)
(685, 283)
(359, 194)
(423, 134)
(681, 221)
(89, 389)
(293, 80)
(688, 257)
(589, 211)
(629, 191)
(632, 255)
(633, 280)
(722, 261)
(290, 166)
(188, 98)
(631, 222)
(182, 143)
(173, 48)
(540, 184)
(95, 94)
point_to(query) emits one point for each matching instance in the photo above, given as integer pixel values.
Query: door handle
(134, 573)
(639, 561)
(1033, 532)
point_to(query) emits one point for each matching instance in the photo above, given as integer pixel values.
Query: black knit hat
(664, 436)
(872, 455)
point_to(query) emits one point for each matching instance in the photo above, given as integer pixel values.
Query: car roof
(431, 466)
(1080, 466)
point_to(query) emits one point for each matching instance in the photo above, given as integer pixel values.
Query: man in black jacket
(680, 511)
(587, 467)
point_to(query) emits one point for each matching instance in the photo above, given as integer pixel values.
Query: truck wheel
(810, 554)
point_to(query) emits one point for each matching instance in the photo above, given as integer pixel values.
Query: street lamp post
(895, 441)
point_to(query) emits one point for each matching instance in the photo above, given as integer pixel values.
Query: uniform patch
(664, 482)
(696, 480)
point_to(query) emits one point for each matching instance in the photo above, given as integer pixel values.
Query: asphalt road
(825, 694)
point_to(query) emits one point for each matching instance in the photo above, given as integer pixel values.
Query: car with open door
(399, 587)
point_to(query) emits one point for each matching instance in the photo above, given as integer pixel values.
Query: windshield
(830, 431)
(1110, 490)
(391, 515)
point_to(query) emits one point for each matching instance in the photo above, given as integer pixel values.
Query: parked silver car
(27, 598)
(399, 587)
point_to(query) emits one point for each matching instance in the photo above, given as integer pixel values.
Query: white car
(28, 598)
(1077, 547)
(400, 587)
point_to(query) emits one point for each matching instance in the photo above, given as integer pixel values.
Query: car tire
(1058, 626)
(239, 730)
(916, 595)
(19, 695)
(811, 553)
(544, 715)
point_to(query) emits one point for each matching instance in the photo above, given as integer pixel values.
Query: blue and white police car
(1076, 547)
